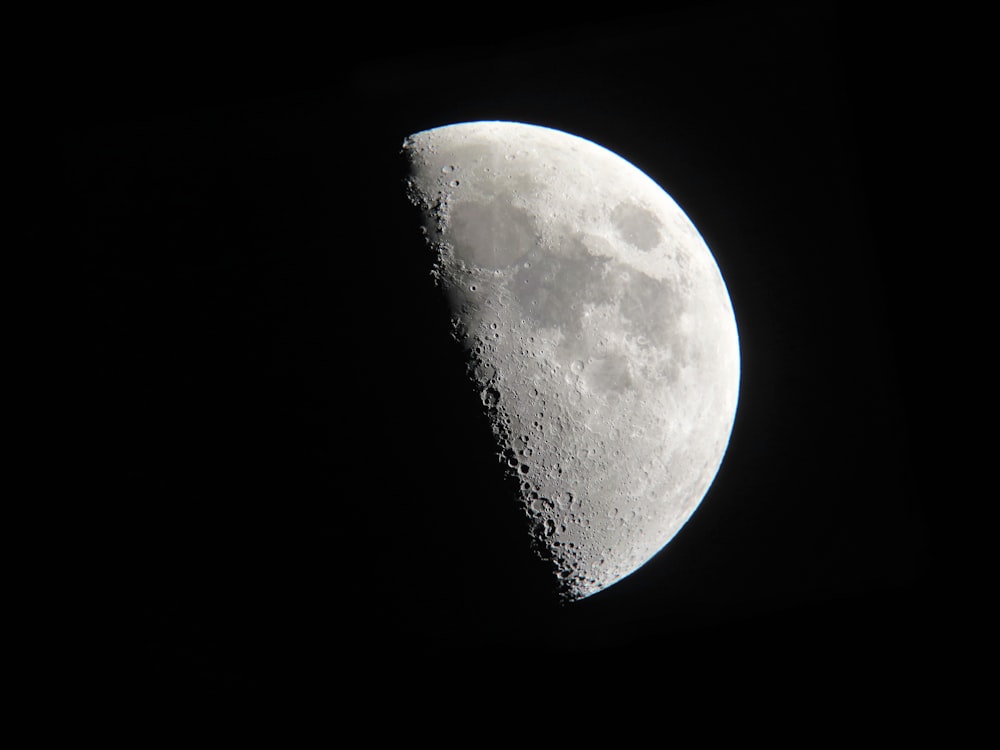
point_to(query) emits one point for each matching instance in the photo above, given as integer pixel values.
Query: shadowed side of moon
(453, 566)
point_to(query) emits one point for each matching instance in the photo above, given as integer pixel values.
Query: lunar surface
(599, 332)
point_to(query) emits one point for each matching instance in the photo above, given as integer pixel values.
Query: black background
(281, 473)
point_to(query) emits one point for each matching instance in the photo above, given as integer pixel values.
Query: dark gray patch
(637, 226)
(491, 235)
(552, 288)
(651, 306)
(609, 374)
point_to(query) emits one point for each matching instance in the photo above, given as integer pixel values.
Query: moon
(599, 335)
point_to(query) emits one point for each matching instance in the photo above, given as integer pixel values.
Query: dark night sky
(288, 479)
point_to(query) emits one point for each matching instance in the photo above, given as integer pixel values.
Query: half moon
(599, 332)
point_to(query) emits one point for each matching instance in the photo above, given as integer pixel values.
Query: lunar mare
(599, 332)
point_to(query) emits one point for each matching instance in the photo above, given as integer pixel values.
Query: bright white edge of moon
(599, 333)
